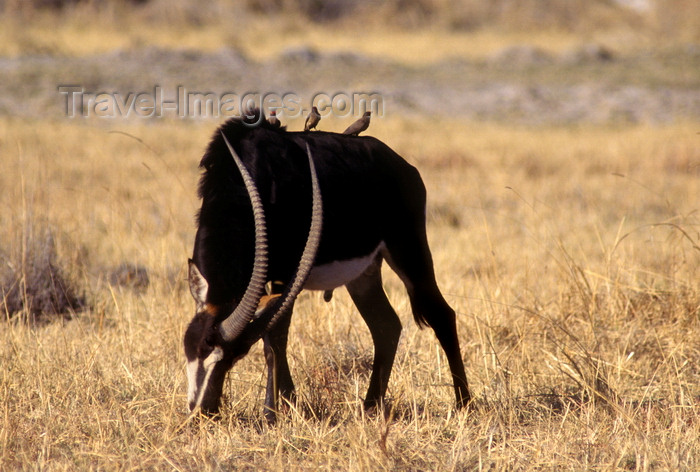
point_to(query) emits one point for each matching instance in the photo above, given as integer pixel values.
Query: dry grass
(80, 35)
(410, 32)
(570, 254)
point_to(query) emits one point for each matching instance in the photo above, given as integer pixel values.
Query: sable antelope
(313, 210)
(312, 120)
(360, 125)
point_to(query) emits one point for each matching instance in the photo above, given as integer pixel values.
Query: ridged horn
(234, 324)
(285, 301)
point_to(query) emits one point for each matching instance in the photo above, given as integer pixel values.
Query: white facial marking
(337, 273)
(203, 387)
(192, 368)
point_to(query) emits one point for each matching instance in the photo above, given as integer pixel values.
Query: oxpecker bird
(312, 120)
(273, 120)
(360, 125)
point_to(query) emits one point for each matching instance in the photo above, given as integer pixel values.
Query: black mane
(223, 248)
(225, 240)
(235, 129)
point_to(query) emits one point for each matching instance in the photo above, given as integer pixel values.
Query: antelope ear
(198, 285)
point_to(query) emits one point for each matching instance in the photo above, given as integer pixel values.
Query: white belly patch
(338, 273)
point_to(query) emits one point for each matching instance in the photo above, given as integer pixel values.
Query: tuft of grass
(33, 283)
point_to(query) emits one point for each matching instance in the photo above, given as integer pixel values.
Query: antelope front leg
(279, 379)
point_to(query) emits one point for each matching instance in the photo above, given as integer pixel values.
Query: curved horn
(234, 324)
(290, 293)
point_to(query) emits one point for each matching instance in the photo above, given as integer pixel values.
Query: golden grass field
(570, 253)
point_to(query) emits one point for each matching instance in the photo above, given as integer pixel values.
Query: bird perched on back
(312, 120)
(273, 120)
(360, 125)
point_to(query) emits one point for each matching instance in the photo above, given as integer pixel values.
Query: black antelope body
(313, 210)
